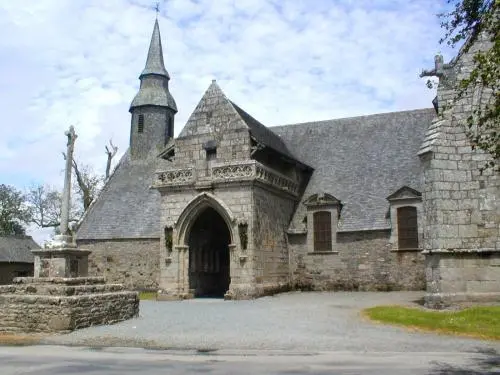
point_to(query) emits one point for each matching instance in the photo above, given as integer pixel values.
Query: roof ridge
(320, 122)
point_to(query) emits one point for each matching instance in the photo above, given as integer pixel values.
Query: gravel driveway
(300, 322)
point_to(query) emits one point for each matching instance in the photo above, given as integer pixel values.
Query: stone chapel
(232, 208)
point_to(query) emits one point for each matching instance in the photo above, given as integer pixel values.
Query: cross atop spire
(157, 8)
(154, 62)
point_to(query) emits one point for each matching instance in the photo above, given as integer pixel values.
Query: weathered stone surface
(458, 277)
(461, 203)
(63, 304)
(133, 263)
(361, 261)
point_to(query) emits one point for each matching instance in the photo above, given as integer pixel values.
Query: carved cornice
(229, 173)
(174, 177)
(253, 170)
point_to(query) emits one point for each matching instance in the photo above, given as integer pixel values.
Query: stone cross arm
(439, 68)
(71, 135)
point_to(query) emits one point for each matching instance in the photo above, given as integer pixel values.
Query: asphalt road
(54, 360)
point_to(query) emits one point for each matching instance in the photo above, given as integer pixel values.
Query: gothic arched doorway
(208, 242)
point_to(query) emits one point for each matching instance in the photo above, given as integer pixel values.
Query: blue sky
(77, 62)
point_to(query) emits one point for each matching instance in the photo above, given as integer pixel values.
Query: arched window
(322, 231)
(407, 228)
(140, 124)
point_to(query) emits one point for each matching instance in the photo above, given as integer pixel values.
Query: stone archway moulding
(194, 208)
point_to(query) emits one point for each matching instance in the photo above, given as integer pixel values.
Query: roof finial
(157, 8)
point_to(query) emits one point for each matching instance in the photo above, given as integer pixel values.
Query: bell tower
(153, 108)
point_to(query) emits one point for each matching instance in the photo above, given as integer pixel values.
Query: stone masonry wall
(273, 213)
(237, 201)
(462, 277)
(133, 263)
(360, 261)
(461, 203)
(153, 137)
(63, 305)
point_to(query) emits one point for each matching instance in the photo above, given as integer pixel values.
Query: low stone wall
(462, 277)
(63, 305)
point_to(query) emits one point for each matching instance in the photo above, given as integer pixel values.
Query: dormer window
(405, 208)
(140, 124)
(407, 227)
(323, 213)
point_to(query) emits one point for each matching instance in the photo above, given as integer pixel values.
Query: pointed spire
(154, 78)
(154, 62)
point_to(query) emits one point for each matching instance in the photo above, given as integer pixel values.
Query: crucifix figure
(65, 207)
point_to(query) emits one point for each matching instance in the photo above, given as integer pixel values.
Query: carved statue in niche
(243, 232)
(168, 238)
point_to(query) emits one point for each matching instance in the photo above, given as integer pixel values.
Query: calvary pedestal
(61, 297)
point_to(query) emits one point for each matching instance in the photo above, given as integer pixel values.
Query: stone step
(49, 289)
(88, 280)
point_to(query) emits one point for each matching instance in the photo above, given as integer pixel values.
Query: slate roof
(126, 207)
(360, 161)
(263, 134)
(17, 249)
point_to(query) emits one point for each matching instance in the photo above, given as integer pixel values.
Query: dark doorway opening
(209, 255)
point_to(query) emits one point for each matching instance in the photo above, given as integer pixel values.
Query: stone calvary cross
(61, 257)
(65, 207)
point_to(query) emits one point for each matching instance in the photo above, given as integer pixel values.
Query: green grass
(481, 321)
(144, 296)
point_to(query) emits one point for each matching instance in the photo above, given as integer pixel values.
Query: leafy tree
(14, 214)
(468, 21)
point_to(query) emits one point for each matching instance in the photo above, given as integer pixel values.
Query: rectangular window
(211, 154)
(407, 228)
(322, 231)
(140, 124)
(170, 127)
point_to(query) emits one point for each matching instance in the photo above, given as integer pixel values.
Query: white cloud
(77, 62)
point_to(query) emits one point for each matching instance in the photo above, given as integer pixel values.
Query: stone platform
(462, 277)
(57, 304)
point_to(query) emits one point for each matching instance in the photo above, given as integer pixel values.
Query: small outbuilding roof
(17, 249)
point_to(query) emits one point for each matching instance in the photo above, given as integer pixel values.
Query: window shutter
(322, 231)
(407, 228)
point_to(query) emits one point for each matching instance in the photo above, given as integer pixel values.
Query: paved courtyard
(304, 322)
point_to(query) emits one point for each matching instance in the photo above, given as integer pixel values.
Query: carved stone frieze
(233, 171)
(254, 170)
(273, 178)
(174, 177)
